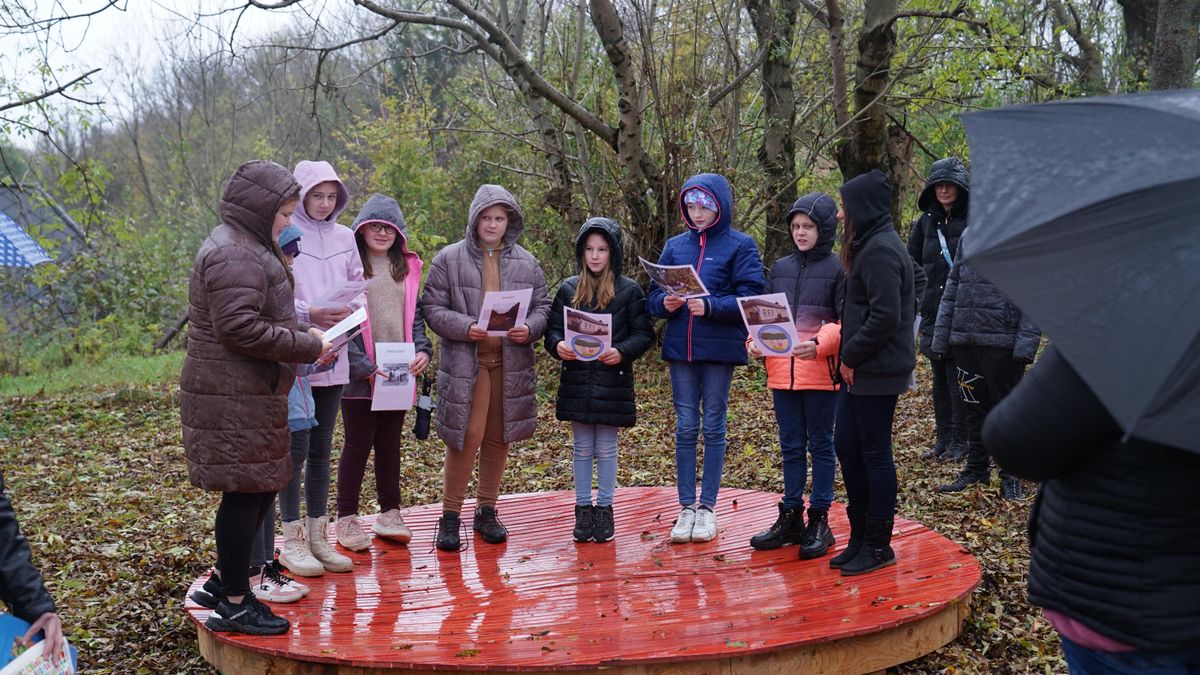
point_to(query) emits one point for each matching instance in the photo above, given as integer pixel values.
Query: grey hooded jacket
(451, 301)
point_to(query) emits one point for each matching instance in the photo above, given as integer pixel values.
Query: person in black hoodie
(1114, 538)
(932, 245)
(596, 396)
(878, 356)
(21, 585)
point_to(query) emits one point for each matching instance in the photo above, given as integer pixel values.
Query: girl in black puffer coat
(596, 395)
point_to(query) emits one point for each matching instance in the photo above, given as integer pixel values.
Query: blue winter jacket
(730, 267)
(302, 410)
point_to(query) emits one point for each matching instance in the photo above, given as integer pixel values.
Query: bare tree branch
(47, 94)
(735, 83)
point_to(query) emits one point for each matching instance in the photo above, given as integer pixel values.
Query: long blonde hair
(596, 290)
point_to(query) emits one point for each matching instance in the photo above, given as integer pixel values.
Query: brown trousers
(485, 433)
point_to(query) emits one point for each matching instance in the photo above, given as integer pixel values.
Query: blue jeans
(863, 439)
(695, 387)
(1084, 661)
(805, 421)
(598, 442)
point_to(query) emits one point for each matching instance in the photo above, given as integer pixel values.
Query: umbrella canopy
(1087, 214)
(17, 248)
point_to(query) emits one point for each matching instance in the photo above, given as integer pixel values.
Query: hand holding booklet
(345, 330)
(395, 388)
(768, 319)
(16, 659)
(502, 311)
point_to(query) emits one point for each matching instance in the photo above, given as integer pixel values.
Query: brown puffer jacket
(451, 301)
(242, 342)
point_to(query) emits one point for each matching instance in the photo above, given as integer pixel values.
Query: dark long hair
(399, 264)
(847, 252)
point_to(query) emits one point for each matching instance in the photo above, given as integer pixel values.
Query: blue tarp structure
(17, 248)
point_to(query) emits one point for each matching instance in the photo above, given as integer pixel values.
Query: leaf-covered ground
(100, 485)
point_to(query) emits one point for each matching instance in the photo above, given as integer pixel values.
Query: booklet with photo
(16, 658)
(343, 331)
(396, 389)
(504, 310)
(588, 335)
(768, 318)
(341, 295)
(682, 281)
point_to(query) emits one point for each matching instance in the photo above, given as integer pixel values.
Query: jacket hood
(383, 209)
(252, 197)
(716, 185)
(948, 170)
(823, 211)
(611, 232)
(491, 195)
(310, 174)
(868, 201)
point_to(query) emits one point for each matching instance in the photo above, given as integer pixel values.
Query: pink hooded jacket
(328, 258)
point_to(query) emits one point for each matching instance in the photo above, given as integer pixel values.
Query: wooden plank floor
(544, 602)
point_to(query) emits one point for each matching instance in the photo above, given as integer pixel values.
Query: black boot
(876, 550)
(1010, 488)
(936, 451)
(488, 525)
(447, 532)
(583, 523)
(858, 530)
(603, 527)
(788, 528)
(958, 451)
(817, 535)
(965, 479)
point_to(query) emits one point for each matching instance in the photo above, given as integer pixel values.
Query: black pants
(949, 414)
(862, 438)
(238, 518)
(985, 376)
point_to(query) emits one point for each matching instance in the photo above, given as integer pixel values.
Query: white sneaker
(295, 554)
(350, 533)
(706, 525)
(682, 532)
(390, 524)
(318, 543)
(271, 587)
(277, 569)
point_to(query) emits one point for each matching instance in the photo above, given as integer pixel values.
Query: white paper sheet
(398, 389)
(502, 310)
(345, 326)
(682, 281)
(768, 318)
(341, 295)
(588, 335)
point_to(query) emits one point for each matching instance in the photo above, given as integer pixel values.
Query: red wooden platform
(637, 604)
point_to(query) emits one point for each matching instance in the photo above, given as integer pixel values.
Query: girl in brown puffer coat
(236, 376)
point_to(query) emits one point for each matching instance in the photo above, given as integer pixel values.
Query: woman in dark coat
(596, 396)
(234, 385)
(1114, 538)
(932, 244)
(878, 356)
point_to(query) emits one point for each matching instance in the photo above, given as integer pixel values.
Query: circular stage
(637, 604)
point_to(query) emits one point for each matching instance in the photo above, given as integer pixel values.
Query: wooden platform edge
(869, 653)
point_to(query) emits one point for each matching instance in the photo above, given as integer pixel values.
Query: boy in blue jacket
(705, 339)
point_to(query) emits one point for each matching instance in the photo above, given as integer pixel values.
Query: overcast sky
(133, 30)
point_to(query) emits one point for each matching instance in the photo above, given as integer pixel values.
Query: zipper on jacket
(692, 317)
(795, 301)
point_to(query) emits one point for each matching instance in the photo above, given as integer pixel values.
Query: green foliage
(113, 372)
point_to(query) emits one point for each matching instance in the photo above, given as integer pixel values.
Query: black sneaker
(487, 524)
(209, 595)
(250, 617)
(964, 481)
(447, 532)
(583, 523)
(1011, 488)
(603, 528)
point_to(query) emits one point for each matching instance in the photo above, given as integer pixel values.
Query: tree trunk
(1174, 63)
(775, 24)
(1141, 20)
(866, 145)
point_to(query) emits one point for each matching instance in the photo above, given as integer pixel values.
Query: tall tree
(1174, 63)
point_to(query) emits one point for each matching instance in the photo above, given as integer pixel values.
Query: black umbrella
(1087, 214)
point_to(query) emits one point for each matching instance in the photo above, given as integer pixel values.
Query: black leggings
(238, 519)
